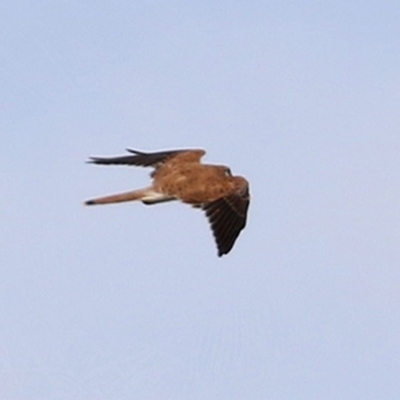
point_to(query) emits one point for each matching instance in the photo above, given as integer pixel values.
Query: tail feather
(148, 196)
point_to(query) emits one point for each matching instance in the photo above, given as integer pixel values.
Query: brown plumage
(179, 175)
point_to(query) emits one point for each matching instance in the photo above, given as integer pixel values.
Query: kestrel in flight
(179, 175)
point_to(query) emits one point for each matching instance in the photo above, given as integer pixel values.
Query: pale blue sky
(131, 302)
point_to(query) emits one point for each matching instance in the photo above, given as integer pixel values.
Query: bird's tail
(147, 196)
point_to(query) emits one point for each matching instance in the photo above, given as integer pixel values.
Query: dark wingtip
(135, 152)
(89, 203)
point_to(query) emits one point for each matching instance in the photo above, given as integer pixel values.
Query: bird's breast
(192, 187)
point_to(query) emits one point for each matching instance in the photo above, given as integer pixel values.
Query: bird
(180, 175)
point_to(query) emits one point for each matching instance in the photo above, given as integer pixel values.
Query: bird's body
(179, 175)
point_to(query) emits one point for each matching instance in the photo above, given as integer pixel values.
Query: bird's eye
(228, 172)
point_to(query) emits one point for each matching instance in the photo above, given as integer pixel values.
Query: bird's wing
(139, 158)
(227, 217)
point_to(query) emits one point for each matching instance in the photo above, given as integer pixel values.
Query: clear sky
(132, 302)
